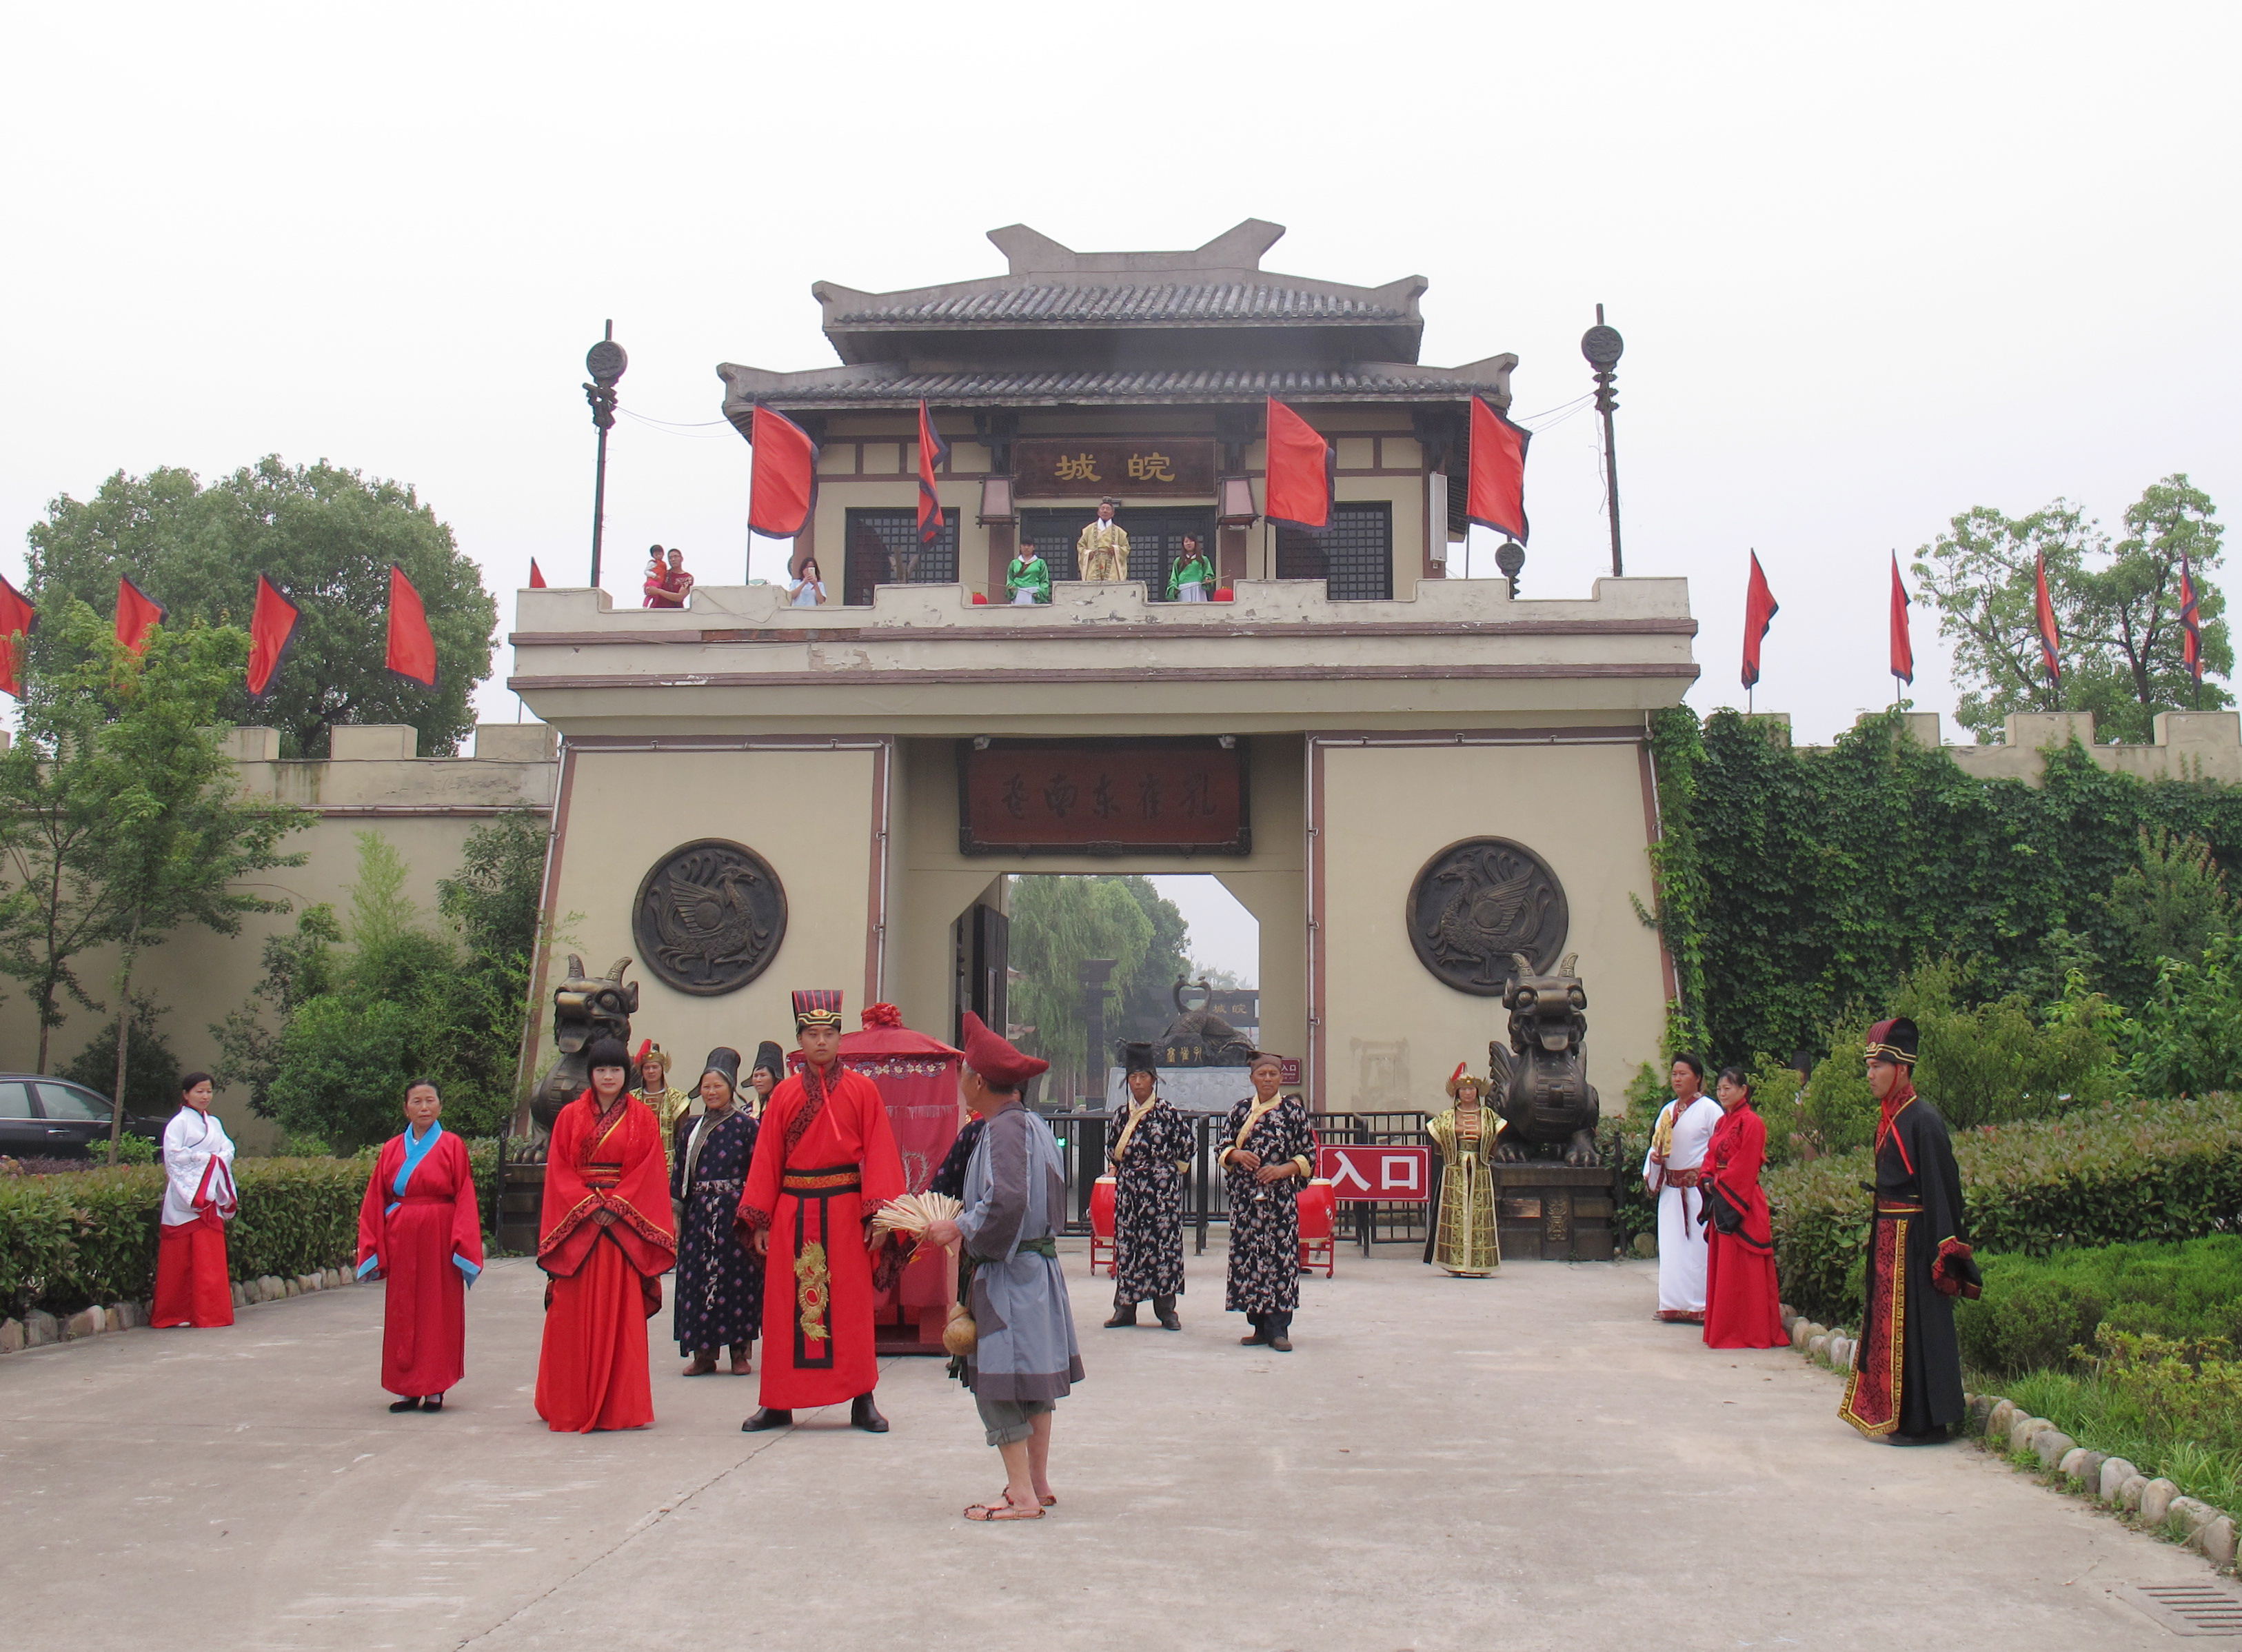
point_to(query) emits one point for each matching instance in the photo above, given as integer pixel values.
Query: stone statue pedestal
(1555, 1211)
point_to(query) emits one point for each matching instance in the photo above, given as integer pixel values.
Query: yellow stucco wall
(812, 814)
(1393, 1031)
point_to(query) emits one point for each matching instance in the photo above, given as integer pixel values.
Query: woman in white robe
(193, 1284)
(1671, 1171)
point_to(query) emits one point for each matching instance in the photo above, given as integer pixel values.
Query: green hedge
(82, 1237)
(2127, 1172)
(2036, 1310)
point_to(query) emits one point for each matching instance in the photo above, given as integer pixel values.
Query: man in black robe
(1151, 1152)
(1906, 1382)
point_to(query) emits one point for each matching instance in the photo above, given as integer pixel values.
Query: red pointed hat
(994, 1057)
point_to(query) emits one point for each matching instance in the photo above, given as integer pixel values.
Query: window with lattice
(1354, 556)
(884, 548)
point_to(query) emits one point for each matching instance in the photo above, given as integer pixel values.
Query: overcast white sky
(1874, 264)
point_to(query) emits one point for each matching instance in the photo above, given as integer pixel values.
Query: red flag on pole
(270, 628)
(19, 619)
(536, 575)
(786, 474)
(1299, 490)
(2190, 623)
(932, 450)
(2051, 640)
(1760, 610)
(137, 613)
(412, 644)
(1902, 646)
(1496, 495)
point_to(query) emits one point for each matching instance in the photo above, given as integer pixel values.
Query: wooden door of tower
(982, 939)
(1156, 535)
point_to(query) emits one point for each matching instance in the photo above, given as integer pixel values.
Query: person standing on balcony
(1672, 1171)
(1028, 577)
(1150, 1153)
(1270, 1143)
(808, 590)
(1192, 576)
(1102, 552)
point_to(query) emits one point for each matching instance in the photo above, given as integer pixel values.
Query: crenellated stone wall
(374, 781)
(2188, 745)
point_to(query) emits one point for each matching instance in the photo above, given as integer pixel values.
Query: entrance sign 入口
(1044, 468)
(1180, 796)
(1394, 1175)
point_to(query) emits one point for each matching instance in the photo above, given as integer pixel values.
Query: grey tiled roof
(1154, 385)
(1167, 305)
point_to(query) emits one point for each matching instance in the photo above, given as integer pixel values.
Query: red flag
(2190, 623)
(19, 619)
(137, 613)
(786, 474)
(1496, 496)
(1902, 646)
(932, 450)
(1299, 490)
(2050, 639)
(536, 575)
(412, 644)
(1760, 610)
(270, 628)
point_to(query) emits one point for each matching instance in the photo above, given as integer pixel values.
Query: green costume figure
(1029, 577)
(1192, 576)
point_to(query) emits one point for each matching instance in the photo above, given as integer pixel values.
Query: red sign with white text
(1399, 1175)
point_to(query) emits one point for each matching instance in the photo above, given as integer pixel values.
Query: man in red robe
(418, 1228)
(824, 1163)
(608, 1241)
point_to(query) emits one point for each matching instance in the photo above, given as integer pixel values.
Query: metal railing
(1082, 1136)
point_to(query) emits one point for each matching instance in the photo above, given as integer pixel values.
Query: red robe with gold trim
(606, 1241)
(825, 1160)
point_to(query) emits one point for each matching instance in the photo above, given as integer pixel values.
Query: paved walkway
(1523, 1462)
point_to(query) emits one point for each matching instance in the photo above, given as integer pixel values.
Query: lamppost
(605, 361)
(1601, 345)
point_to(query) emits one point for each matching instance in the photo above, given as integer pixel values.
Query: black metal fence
(1083, 1137)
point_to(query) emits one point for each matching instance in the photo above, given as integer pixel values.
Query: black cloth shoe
(1260, 1332)
(1123, 1313)
(1934, 1436)
(766, 1418)
(863, 1413)
(1281, 1332)
(404, 1405)
(432, 1403)
(1164, 1308)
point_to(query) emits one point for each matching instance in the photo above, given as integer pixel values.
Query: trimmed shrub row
(2127, 1172)
(2036, 1310)
(68, 1241)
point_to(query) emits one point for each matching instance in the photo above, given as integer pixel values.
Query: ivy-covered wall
(1793, 884)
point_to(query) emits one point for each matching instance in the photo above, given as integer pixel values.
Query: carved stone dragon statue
(584, 1008)
(1541, 1082)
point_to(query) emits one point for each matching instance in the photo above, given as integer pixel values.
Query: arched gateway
(1405, 778)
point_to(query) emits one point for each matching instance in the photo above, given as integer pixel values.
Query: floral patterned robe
(1149, 1167)
(1264, 1222)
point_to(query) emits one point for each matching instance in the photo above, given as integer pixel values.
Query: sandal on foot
(1001, 1510)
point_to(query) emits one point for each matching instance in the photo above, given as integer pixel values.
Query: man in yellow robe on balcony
(1102, 552)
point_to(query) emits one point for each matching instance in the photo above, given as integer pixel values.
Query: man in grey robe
(1025, 1358)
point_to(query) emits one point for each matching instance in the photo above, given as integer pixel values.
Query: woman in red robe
(418, 1228)
(825, 1161)
(1741, 1308)
(608, 1241)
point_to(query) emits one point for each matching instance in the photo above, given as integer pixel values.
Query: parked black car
(54, 1118)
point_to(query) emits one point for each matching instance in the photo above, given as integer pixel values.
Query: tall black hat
(724, 1061)
(768, 1058)
(1895, 1040)
(1140, 1057)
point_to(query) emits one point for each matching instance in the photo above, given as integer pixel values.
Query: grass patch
(2105, 1417)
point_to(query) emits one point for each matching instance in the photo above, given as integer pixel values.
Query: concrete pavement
(1526, 1462)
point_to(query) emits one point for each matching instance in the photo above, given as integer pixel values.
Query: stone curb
(2115, 1484)
(37, 1328)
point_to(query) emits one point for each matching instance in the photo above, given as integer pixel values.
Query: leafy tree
(1057, 922)
(389, 997)
(2187, 1040)
(328, 537)
(2170, 905)
(152, 1085)
(2117, 607)
(124, 821)
(1147, 1003)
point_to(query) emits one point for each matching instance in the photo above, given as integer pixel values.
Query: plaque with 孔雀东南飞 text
(1184, 795)
(1046, 467)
